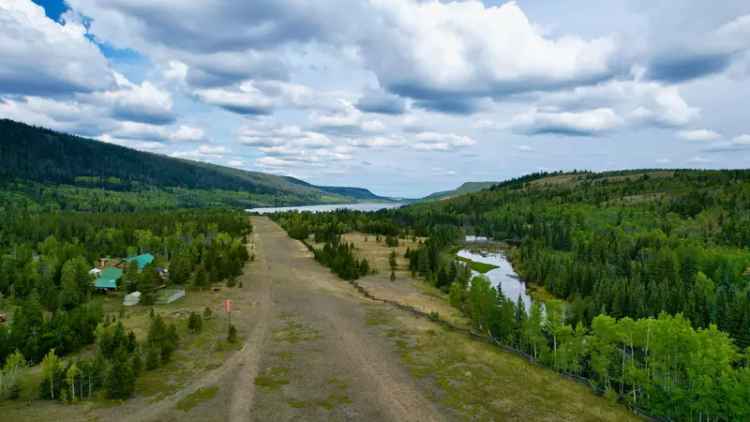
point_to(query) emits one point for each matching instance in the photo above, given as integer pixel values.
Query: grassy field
(478, 381)
(405, 289)
(479, 267)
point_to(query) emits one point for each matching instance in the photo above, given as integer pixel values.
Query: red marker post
(228, 309)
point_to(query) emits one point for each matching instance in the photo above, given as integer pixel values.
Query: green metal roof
(141, 260)
(108, 278)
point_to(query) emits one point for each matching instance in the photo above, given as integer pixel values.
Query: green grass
(294, 332)
(197, 397)
(330, 401)
(479, 267)
(273, 379)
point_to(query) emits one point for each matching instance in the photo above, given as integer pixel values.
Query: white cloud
(432, 141)
(642, 102)
(345, 118)
(204, 152)
(156, 133)
(582, 123)
(144, 103)
(247, 99)
(431, 49)
(700, 160)
(129, 143)
(742, 139)
(699, 135)
(188, 134)
(41, 57)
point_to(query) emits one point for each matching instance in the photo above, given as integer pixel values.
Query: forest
(652, 270)
(45, 284)
(52, 170)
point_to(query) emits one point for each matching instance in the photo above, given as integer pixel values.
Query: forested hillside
(625, 244)
(650, 269)
(32, 160)
(468, 187)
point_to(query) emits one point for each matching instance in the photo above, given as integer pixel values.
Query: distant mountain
(468, 187)
(36, 155)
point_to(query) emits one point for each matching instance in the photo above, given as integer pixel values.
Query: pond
(363, 206)
(503, 277)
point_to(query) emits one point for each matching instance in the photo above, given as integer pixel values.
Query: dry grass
(405, 289)
(477, 381)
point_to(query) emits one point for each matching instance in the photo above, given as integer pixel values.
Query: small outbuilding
(141, 260)
(108, 278)
(132, 299)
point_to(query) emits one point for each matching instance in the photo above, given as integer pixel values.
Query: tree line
(45, 260)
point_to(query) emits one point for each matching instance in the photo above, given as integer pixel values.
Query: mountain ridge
(41, 155)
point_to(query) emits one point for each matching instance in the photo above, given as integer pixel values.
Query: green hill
(468, 187)
(36, 161)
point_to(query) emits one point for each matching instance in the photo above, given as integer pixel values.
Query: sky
(403, 97)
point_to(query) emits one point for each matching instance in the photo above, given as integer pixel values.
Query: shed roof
(142, 260)
(108, 278)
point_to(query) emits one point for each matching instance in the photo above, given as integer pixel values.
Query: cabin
(108, 279)
(141, 260)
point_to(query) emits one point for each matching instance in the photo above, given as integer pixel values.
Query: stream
(503, 277)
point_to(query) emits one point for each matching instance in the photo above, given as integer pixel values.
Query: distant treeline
(41, 169)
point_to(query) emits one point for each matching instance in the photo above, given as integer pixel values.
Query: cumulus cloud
(432, 141)
(701, 53)
(738, 143)
(445, 54)
(581, 123)
(156, 133)
(282, 136)
(641, 102)
(144, 103)
(41, 57)
(263, 97)
(246, 100)
(381, 102)
(699, 135)
(204, 152)
(345, 118)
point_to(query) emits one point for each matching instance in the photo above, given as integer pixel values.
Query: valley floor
(315, 349)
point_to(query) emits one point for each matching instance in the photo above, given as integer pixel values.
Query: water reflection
(367, 207)
(502, 277)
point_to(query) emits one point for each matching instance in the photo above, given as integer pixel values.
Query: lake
(502, 277)
(364, 206)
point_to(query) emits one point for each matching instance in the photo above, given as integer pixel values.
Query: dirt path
(308, 353)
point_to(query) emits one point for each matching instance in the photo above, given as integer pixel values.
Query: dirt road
(307, 353)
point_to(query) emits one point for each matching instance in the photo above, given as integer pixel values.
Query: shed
(142, 260)
(132, 299)
(108, 278)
